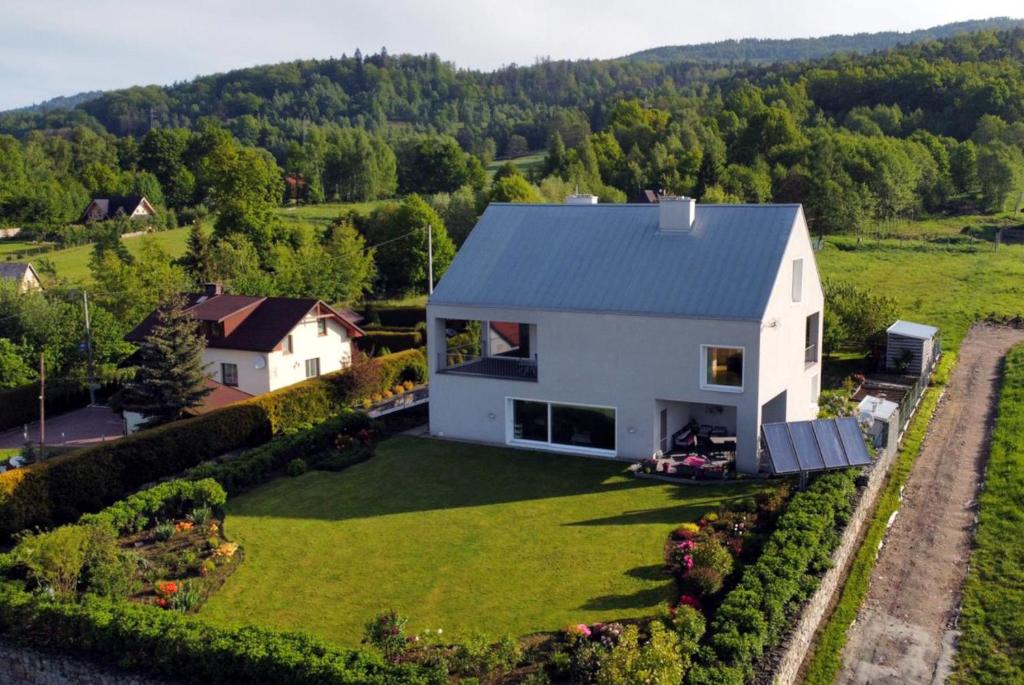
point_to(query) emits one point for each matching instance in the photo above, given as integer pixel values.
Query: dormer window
(321, 327)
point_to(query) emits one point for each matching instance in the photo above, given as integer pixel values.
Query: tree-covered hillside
(764, 50)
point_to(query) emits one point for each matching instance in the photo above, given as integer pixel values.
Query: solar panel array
(821, 445)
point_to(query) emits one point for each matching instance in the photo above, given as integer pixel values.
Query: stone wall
(815, 610)
(21, 666)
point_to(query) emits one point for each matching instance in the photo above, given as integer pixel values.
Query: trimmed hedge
(396, 316)
(145, 638)
(60, 489)
(754, 616)
(396, 341)
(268, 461)
(167, 500)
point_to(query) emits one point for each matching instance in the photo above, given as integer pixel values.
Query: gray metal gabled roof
(613, 258)
(909, 329)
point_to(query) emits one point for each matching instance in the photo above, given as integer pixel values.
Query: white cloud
(50, 48)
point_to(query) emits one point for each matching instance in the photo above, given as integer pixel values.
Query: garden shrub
(296, 467)
(703, 581)
(169, 643)
(167, 500)
(394, 340)
(657, 662)
(709, 553)
(398, 316)
(60, 489)
(385, 632)
(754, 615)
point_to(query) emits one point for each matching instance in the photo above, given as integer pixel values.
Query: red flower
(690, 601)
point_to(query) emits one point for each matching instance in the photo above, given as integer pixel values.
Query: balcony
(471, 363)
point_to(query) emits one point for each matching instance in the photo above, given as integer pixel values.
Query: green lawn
(73, 263)
(460, 537)
(526, 164)
(8, 247)
(989, 649)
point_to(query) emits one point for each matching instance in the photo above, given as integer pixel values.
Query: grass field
(947, 286)
(526, 164)
(989, 650)
(8, 247)
(327, 212)
(73, 263)
(459, 537)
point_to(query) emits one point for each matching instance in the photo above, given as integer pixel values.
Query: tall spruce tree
(197, 259)
(170, 376)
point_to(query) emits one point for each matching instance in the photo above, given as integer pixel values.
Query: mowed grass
(991, 646)
(72, 264)
(460, 537)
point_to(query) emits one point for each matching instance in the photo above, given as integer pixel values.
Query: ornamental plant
(687, 531)
(711, 554)
(163, 531)
(386, 633)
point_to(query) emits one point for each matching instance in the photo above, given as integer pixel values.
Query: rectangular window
(572, 427)
(321, 326)
(312, 367)
(530, 420)
(590, 427)
(723, 368)
(229, 374)
(814, 389)
(811, 339)
(289, 345)
(798, 280)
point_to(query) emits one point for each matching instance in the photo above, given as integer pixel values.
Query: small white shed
(911, 348)
(883, 419)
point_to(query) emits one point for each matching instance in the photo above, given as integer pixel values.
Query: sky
(62, 47)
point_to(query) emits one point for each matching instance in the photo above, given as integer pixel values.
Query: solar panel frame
(833, 451)
(808, 453)
(853, 441)
(781, 453)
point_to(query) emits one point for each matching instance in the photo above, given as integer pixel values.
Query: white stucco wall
(637, 364)
(281, 369)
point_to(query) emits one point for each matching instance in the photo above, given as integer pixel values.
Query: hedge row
(396, 316)
(167, 500)
(60, 489)
(754, 616)
(268, 461)
(393, 340)
(144, 638)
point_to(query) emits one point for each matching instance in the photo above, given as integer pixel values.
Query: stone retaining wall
(814, 611)
(22, 666)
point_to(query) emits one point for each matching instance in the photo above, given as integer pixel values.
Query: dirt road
(903, 633)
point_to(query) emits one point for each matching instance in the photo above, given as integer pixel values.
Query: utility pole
(88, 346)
(430, 260)
(42, 403)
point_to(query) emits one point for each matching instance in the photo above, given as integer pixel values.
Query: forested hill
(762, 51)
(61, 102)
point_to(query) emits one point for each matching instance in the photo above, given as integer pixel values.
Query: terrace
(494, 349)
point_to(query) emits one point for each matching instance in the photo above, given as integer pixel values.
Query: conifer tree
(170, 376)
(196, 260)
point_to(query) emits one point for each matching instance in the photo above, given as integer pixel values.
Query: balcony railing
(474, 364)
(811, 354)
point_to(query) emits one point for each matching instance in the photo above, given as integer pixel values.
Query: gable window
(312, 367)
(229, 374)
(811, 339)
(321, 326)
(721, 368)
(798, 280)
(289, 344)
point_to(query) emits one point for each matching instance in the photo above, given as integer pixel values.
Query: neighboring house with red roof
(260, 344)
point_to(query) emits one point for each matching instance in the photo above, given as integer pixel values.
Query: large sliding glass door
(570, 427)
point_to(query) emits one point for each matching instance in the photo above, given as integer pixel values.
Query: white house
(131, 206)
(260, 344)
(23, 275)
(606, 329)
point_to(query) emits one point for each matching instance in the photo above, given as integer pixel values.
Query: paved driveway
(904, 633)
(79, 427)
